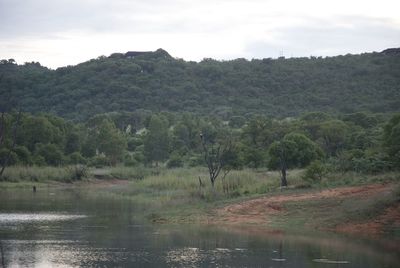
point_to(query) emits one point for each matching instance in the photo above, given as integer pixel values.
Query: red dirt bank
(260, 210)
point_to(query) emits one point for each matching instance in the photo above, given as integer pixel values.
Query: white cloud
(62, 32)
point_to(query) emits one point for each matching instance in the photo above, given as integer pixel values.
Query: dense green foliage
(295, 150)
(359, 142)
(230, 89)
(151, 109)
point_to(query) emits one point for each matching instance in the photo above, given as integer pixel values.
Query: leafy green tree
(181, 138)
(34, 130)
(7, 144)
(8, 158)
(156, 142)
(23, 154)
(311, 122)
(258, 132)
(110, 141)
(51, 154)
(253, 157)
(134, 142)
(155, 81)
(361, 119)
(391, 138)
(294, 150)
(72, 143)
(333, 135)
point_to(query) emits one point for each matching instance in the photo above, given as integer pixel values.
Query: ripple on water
(36, 217)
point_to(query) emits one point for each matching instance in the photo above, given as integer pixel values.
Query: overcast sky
(66, 32)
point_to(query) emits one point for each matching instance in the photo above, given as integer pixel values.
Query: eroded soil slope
(264, 210)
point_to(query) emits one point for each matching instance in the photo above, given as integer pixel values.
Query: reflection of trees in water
(186, 257)
(281, 249)
(280, 253)
(3, 262)
(280, 258)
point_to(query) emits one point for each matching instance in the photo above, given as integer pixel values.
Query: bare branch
(214, 157)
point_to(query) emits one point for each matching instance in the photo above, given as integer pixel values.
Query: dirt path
(259, 211)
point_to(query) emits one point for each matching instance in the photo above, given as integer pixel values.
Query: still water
(67, 228)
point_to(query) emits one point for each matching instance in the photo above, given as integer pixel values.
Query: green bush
(140, 173)
(362, 162)
(98, 161)
(51, 153)
(131, 163)
(175, 161)
(77, 172)
(39, 160)
(23, 154)
(76, 158)
(138, 156)
(195, 161)
(314, 172)
(134, 143)
(10, 157)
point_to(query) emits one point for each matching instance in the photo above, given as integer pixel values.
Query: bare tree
(2, 139)
(215, 157)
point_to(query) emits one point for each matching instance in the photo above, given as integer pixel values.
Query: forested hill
(156, 81)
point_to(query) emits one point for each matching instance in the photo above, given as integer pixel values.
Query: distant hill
(156, 81)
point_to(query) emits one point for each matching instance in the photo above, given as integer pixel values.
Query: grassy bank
(23, 174)
(186, 195)
(351, 206)
(175, 195)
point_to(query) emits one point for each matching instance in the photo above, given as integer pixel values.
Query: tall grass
(36, 174)
(189, 186)
(183, 191)
(354, 178)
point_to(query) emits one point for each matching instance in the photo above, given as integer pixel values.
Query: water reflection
(35, 217)
(187, 257)
(53, 231)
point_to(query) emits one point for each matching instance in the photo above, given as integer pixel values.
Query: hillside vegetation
(158, 82)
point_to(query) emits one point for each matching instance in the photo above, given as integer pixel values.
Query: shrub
(130, 161)
(76, 158)
(10, 157)
(196, 160)
(138, 156)
(51, 153)
(24, 155)
(361, 162)
(98, 161)
(315, 171)
(77, 172)
(39, 160)
(140, 174)
(175, 161)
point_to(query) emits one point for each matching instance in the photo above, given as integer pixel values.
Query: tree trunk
(283, 170)
(283, 177)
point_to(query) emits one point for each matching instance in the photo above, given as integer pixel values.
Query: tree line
(359, 142)
(157, 82)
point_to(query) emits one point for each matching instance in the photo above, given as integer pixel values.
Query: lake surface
(67, 228)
